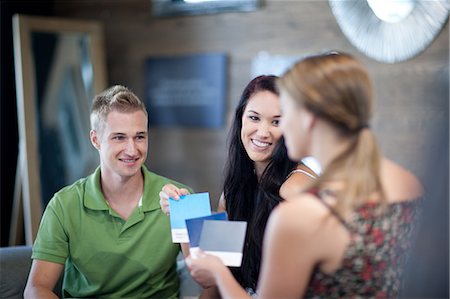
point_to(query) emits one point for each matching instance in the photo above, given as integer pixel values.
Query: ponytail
(359, 165)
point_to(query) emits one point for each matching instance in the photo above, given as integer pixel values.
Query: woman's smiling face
(260, 131)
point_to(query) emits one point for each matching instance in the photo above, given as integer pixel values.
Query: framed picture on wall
(186, 90)
(169, 8)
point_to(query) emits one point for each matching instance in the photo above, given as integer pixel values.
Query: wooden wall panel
(412, 96)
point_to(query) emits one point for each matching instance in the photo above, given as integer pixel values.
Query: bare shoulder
(299, 213)
(306, 224)
(399, 183)
(296, 182)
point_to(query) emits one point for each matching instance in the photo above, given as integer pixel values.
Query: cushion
(15, 263)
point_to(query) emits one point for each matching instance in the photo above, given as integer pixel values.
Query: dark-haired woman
(258, 173)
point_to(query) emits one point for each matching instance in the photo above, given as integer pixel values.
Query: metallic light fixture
(391, 30)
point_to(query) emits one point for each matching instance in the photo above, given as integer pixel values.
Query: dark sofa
(15, 263)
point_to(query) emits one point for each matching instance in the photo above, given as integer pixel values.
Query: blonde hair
(118, 98)
(336, 87)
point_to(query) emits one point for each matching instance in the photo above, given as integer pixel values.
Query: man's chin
(131, 170)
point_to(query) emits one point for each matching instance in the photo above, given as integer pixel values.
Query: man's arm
(42, 279)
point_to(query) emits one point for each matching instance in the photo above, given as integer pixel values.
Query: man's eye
(118, 137)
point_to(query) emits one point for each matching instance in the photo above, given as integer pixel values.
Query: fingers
(164, 203)
(201, 270)
(196, 253)
(170, 191)
(173, 191)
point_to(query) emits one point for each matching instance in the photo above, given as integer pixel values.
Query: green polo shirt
(105, 255)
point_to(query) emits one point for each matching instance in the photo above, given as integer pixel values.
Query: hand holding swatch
(215, 235)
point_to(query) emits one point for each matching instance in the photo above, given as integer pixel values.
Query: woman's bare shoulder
(399, 183)
(301, 210)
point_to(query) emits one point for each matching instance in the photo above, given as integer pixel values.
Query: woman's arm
(291, 249)
(290, 253)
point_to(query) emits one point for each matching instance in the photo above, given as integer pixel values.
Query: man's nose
(131, 148)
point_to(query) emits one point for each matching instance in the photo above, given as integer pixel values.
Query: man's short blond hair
(116, 98)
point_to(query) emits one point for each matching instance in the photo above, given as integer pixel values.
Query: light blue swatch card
(188, 206)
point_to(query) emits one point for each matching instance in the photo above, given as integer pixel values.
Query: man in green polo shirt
(107, 231)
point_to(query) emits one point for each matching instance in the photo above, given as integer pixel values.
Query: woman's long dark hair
(247, 199)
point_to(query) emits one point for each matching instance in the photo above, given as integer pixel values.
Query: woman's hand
(204, 268)
(172, 191)
(208, 270)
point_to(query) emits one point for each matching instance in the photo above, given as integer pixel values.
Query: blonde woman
(348, 235)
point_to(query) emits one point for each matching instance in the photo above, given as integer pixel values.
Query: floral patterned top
(375, 256)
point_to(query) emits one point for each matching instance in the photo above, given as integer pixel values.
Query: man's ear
(94, 139)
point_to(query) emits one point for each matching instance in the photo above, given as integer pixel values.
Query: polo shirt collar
(150, 200)
(94, 199)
